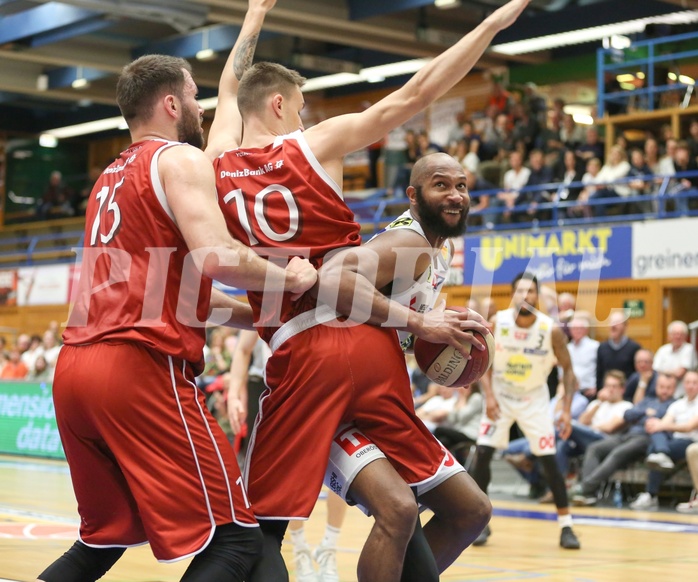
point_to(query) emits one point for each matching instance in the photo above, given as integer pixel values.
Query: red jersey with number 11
(137, 283)
(281, 202)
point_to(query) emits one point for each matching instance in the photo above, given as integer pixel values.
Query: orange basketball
(443, 364)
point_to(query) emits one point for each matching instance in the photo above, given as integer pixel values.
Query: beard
(189, 129)
(431, 219)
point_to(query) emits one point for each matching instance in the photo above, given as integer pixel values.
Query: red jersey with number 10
(136, 282)
(281, 202)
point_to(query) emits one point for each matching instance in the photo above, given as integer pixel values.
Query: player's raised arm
(336, 137)
(226, 130)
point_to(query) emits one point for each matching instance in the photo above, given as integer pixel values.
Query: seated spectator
(567, 172)
(35, 350)
(40, 372)
(683, 163)
(590, 181)
(411, 155)
(616, 168)
(498, 141)
(50, 348)
(618, 351)
(670, 437)
(643, 183)
(651, 150)
(55, 199)
(617, 451)
(435, 411)
(539, 175)
(500, 98)
(514, 179)
(592, 147)
(461, 426)
(601, 417)
(479, 204)
(426, 146)
(572, 135)
(692, 140)
(641, 382)
(526, 128)
(583, 353)
(14, 368)
(676, 357)
(691, 506)
(665, 166)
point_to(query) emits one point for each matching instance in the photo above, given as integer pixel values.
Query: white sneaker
(305, 571)
(327, 560)
(659, 462)
(689, 507)
(645, 501)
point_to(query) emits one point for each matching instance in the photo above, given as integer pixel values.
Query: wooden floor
(38, 522)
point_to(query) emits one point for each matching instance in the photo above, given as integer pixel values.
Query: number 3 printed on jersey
(260, 205)
(103, 217)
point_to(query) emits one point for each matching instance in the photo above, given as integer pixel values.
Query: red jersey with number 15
(136, 282)
(281, 202)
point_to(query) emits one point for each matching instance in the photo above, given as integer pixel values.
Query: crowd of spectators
(30, 357)
(519, 144)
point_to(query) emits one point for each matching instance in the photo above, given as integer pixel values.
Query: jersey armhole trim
(157, 184)
(312, 160)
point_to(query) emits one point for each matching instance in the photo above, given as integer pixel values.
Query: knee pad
(82, 563)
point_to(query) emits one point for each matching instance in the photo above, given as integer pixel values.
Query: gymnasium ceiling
(45, 45)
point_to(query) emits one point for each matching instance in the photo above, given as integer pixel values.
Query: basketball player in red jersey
(280, 195)
(148, 461)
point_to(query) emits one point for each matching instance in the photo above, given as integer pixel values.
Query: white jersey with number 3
(523, 356)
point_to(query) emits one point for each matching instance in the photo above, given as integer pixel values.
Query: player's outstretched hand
(454, 328)
(506, 15)
(303, 276)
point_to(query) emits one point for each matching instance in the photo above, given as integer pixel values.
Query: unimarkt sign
(27, 420)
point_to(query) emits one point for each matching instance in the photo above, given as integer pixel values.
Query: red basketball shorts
(148, 461)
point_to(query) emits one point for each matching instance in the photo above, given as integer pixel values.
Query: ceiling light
(445, 4)
(85, 128)
(46, 140)
(206, 53)
(686, 80)
(550, 41)
(367, 75)
(80, 82)
(625, 78)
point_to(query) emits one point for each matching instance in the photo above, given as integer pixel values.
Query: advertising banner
(666, 248)
(573, 254)
(27, 420)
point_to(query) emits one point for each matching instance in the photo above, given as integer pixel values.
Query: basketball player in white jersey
(409, 262)
(527, 345)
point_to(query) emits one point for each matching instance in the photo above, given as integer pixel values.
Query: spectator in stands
(692, 140)
(583, 352)
(461, 426)
(572, 135)
(678, 356)
(499, 140)
(592, 147)
(590, 181)
(643, 381)
(14, 368)
(617, 451)
(515, 178)
(425, 145)
(601, 417)
(525, 129)
(567, 171)
(616, 168)
(665, 165)
(465, 152)
(50, 348)
(539, 175)
(549, 140)
(40, 372)
(435, 411)
(456, 133)
(652, 154)
(618, 351)
(35, 349)
(55, 199)
(564, 312)
(422, 388)
(670, 436)
(412, 154)
(500, 98)
(683, 163)
(642, 184)
(691, 506)
(479, 204)
(535, 103)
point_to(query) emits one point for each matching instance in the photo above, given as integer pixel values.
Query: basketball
(443, 364)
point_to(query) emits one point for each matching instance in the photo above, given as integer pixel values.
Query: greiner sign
(664, 249)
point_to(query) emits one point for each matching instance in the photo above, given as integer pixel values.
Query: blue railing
(39, 248)
(374, 214)
(657, 53)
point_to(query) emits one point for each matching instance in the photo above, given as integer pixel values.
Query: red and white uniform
(280, 200)
(148, 461)
(523, 359)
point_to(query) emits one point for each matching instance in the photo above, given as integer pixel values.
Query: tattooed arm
(226, 130)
